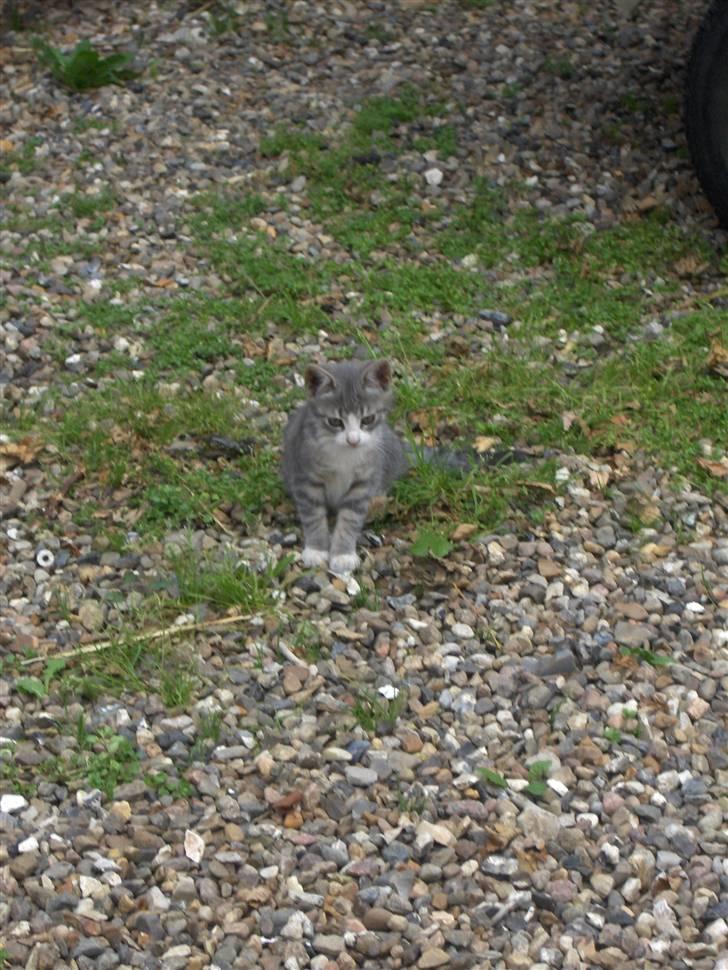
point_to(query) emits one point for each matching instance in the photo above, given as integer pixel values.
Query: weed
(10, 773)
(648, 656)
(613, 734)
(222, 19)
(538, 772)
(210, 726)
(278, 27)
(492, 777)
(165, 784)
(117, 762)
(209, 731)
(177, 683)
(307, 642)
(378, 713)
(84, 67)
(104, 760)
(560, 66)
(39, 686)
(223, 583)
(411, 804)
(85, 206)
(428, 542)
(259, 656)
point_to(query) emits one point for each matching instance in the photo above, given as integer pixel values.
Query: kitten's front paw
(314, 557)
(340, 565)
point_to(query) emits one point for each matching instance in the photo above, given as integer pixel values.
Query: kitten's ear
(378, 372)
(318, 380)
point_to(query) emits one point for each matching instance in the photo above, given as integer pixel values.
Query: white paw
(314, 557)
(341, 565)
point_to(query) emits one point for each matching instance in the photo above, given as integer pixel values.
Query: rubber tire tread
(709, 53)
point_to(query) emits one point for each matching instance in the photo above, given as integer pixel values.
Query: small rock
(12, 803)
(434, 957)
(537, 823)
(360, 776)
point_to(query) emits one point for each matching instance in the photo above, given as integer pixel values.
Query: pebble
(305, 790)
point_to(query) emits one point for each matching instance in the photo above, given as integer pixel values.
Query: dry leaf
(484, 443)
(194, 846)
(567, 419)
(464, 531)
(690, 265)
(717, 361)
(6, 145)
(22, 452)
(619, 419)
(599, 478)
(718, 469)
(543, 486)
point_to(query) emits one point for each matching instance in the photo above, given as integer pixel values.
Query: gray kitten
(338, 453)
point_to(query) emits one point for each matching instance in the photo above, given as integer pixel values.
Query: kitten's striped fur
(338, 454)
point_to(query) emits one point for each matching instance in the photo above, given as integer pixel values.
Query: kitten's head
(350, 400)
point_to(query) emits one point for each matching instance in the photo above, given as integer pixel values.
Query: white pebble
(433, 176)
(12, 803)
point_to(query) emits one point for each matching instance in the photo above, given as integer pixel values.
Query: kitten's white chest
(344, 466)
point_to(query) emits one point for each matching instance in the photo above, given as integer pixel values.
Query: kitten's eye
(335, 423)
(368, 420)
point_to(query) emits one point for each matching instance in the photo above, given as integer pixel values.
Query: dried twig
(198, 10)
(170, 631)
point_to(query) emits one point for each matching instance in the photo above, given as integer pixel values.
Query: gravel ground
(308, 841)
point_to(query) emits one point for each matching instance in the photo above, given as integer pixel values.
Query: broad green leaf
(430, 543)
(31, 685)
(492, 777)
(539, 770)
(648, 656)
(535, 788)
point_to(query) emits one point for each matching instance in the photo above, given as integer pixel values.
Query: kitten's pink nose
(352, 438)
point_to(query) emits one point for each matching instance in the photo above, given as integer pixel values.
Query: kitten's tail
(463, 460)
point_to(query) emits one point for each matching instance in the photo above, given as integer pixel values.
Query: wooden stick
(99, 645)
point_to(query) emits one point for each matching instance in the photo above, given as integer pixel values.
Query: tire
(706, 106)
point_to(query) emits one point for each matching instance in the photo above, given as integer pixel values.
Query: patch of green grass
(224, 583)
(12, 775)
(177, 680)
(307, 642)
(103, 760)
(222, 19)
(39, 686)
(93, 123)
(166, 784)
(84, 68)
(560, 66)
(84, 206)
(278, 27)
(382, 114)
(538, 772)
(22, 160)
(376, 713)
(216, 213)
